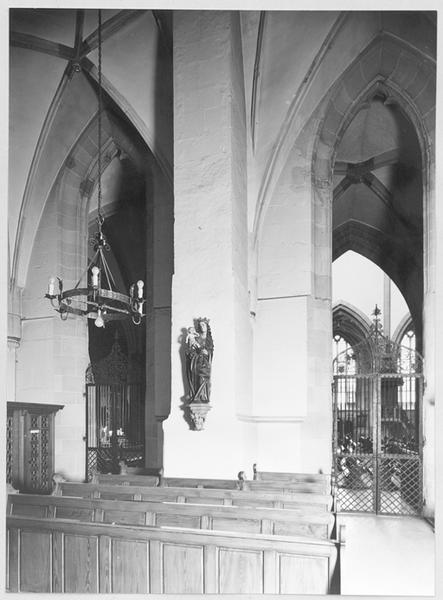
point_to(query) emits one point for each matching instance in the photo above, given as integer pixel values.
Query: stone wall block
(72, 179)
(333, 120)
(354, 81)
(429, 122)
(342, 100)
(425, 100)
(405, 70)
(389, 58)
(417, 86)
(370, 65)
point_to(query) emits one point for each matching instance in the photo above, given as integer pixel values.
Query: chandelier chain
(96, 301)
(100, 106)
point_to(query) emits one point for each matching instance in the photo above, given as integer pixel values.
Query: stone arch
(382, 250)
(404, 77)
(353, 326)
(349, 322)
(405, 325)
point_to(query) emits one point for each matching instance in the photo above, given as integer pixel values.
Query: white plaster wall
(279, 445)
(280, 367)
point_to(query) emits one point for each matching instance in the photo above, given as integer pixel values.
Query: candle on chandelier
(51, 286)
(95, 273)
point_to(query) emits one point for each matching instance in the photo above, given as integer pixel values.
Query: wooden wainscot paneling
(182, 569)
(35, 561)
(97, 557)
(81, 561)
(130, 560)
(303, 574)
(240, 571)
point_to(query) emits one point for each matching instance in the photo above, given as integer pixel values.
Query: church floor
(387, 556)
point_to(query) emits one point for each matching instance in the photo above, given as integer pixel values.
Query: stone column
(386, 305)
(432, 336)
(210, 239)
(14, 337)
(160, 220)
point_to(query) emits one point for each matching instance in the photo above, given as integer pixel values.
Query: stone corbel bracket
(198, 412)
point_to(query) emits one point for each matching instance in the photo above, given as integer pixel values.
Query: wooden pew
(126, 479)
(55, 555)
(286, 477)
(315, 487)
(139, 479)
(289, 487)
(199, 516)
(271, 499)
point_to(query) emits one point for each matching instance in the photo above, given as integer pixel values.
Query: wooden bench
(271, 499)
(140, 479)
(55, 555)
(286, 477)
(125, 479)
(199, 516)
(307, 487)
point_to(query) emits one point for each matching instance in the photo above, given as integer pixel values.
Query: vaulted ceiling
(53, 98)
(291, 62)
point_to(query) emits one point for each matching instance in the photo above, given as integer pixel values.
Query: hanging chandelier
(99, 300)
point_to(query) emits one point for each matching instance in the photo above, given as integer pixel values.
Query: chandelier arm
(115, 309)
(107, 271)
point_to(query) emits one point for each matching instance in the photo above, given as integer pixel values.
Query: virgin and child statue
(199, 351)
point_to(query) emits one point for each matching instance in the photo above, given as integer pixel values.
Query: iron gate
(377, 444)
(114, 427)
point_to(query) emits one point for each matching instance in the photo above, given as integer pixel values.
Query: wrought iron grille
(377, 446)
(115, 427)
(400, 485)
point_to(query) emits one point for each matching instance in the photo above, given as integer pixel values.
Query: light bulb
(99, 322)
(95, 273)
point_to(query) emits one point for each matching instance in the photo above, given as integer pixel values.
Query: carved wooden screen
(30, 446)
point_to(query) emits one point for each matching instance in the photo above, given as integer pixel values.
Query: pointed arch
(406, 324)
(402, 75)
(349, 322)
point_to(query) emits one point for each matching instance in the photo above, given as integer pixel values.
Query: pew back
(229, 518)
(45, 555)
(285, 486)
(312, 502)
(280, 476)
